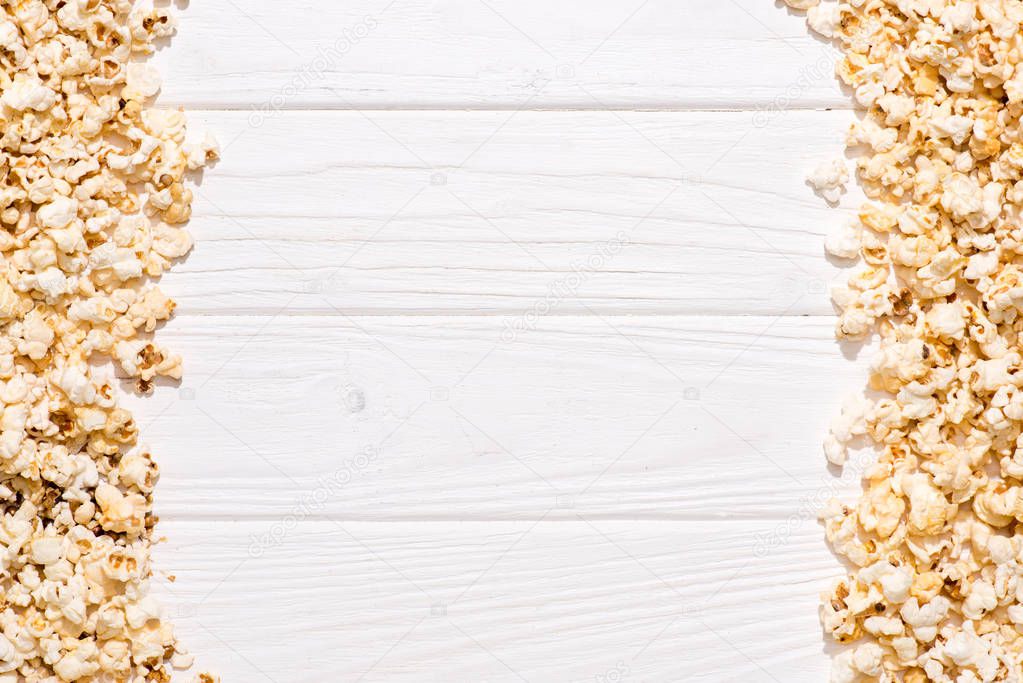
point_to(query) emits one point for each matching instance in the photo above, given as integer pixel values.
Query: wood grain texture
(491, 212)
(496, 54)
(499, 601)
(406, 418)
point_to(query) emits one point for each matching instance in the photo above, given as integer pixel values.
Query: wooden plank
(486, 212)
(504, 54)
(499, 601)
(381, 418)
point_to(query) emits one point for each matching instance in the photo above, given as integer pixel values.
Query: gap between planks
(568, 312)
(750, 107)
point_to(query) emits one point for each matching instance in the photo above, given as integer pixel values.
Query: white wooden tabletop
(509, 350)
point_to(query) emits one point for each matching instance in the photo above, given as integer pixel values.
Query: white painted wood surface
(508, 346)
(497, 54)
(486, 212)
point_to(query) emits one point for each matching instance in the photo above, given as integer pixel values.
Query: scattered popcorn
(936, 539)
(829, 179)
(845, 242)
(825, 18)
(801, 4)
(92, 201)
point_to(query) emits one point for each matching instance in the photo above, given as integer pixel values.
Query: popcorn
(92, 201)
(801, 4)
(824, 18)
(142, 81)
(829, 179)
(28, 92)
(845, 242)
(935, 540)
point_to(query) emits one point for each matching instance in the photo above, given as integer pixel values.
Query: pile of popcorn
(935, 592)
(92, 201)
